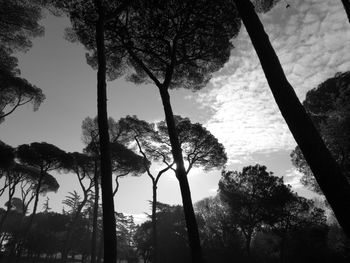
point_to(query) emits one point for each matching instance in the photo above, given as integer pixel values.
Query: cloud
(311, 39)
(292, 177)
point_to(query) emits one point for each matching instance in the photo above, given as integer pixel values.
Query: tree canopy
(328, 106)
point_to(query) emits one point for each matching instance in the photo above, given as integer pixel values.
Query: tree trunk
(191, 222)
(346, 4)
(95, 216)
(154, 223)
(109, 224)
(326, 171)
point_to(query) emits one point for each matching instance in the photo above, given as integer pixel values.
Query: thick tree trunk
(154, 223)
(191, 222)
(326, 171)
(109, 224)
(95, 216)
(346, 4)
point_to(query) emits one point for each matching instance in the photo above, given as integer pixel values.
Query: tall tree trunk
(95, 216)
(346, 4)
(191, 222)
(109, 224)
(154, 223)
(326, 171)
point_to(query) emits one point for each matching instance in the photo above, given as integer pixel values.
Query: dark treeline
(255, 217)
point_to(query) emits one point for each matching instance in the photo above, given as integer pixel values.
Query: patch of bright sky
(311, 38)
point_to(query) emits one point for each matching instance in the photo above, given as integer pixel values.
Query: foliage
(255, 198)
(329, 109)
(172, 237)
(42, 155)
(18, 25)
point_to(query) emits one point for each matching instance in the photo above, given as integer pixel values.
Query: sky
(311, 38)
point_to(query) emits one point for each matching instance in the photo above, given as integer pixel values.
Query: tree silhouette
(200, 149)
(172, 44)
(82, 166)
(335, 188)
(255, 197)
(18, 25)
(43, 157)
(92, 17)
(328, 107)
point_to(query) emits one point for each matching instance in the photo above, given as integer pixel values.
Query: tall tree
(328, 107)
(255, 197)
(172, 44)
(335, 188)
(200, 149)
(92, 17)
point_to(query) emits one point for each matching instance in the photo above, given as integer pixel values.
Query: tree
(255, 197)
(82, 166)
(123, 160)
(328, 107)
(92, 16)
(200, 149)
(18, 25)
(335, 188)
(172, 236)
(43, 157)
(222, 241)
(171, 44)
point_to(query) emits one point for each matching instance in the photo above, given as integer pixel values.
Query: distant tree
(335, 188)
(199, 146)
(328, 106)
(255, 197)
(123, 161)
(82, 166)
(18, 25)
(172, 237)
(222, 241)
(43, 157)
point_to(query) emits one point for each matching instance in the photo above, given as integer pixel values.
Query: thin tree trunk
(346, 4)
(326, 171)
(109, 224)
(191, 222)
(154, 223)
(95, 216)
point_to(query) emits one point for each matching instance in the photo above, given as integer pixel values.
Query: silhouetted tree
(43, 157)
(18, 25)
(335, 188)
(255, 197)
(91, 16)
(82, 166)
(172, 44)
(172, 237)
(199, 146)
(328, 107)
(222, 240)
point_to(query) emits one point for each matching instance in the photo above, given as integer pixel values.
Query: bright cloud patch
(311, 38)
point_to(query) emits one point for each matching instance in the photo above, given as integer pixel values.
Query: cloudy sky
(311, 38)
